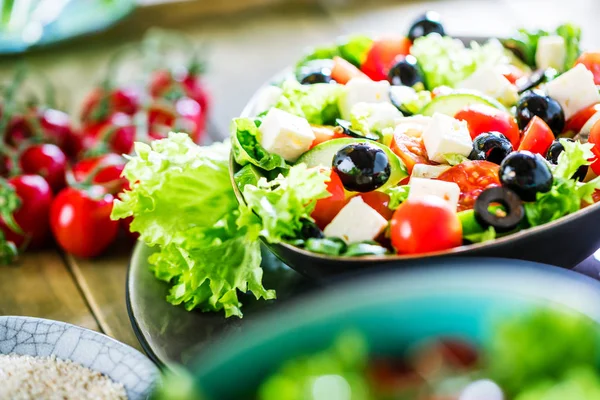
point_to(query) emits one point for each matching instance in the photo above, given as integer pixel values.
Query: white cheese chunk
(266, 99)
(574, 90)
(356, 222)
(285, 134)
(448, 191)
(446, 135)
(412, 126)
(551, 52)
(428, 171)
(377, 116)
(584, 133)
(489, 81)
(363, 90)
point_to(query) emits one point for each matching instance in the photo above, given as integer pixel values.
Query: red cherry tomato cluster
(58, 180)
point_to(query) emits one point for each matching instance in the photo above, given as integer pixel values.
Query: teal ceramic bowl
(460, 298)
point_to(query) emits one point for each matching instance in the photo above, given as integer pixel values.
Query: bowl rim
(247, 112)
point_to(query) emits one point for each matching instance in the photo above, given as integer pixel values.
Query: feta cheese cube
(446, 135)
(448, 191)
(285, 134)
(574, 90)
(356, 222)
(363, 90)
(551, 52)
(489, 81)
(377, 116)
(266, 99)
(428, 171)
(584, 133)
(412, 126)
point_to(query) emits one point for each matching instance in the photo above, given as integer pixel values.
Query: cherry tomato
(577, 121)
(117, 132)
(378, 201)
(472, 177)
(342, 71)
(482, 118)
(326, 209)
(176, 85)
(424, 225)
(537, 137)
(595, 140)
(382, 54)
(107, 171)
(100, 104)
(325, 133)
(33, 213)
(46, 160)
(591, 60)
(195, 89)
(411, 150)
(80, 221)
(191, 118)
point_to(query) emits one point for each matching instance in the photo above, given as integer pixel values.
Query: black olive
(315, 71)
(494, 147)
(405, 72)
(535, 79)
(554, 151)
(476, 155)
(502, 220)
(362, 167)
(310, 230)
(534, 102)
(345, 125)
(526, 173)
(426, 24)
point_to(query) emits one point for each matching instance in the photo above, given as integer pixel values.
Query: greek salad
(426, 144)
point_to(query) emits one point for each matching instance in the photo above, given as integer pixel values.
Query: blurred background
(246, 41)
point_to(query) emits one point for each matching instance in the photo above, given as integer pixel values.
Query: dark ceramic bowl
(564, 243)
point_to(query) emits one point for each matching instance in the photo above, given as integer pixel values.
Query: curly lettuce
(183, 205)
(353, 48)
(245, 138)
(446, 61)
(317, 103)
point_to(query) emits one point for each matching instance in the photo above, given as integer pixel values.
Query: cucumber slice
(322, 155)
(452, 103)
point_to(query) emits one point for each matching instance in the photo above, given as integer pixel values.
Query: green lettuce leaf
(446, 61)
(484, 236)
(353, 48)
(183, 204)
(373, 118)
(454, 159)
(245, 138)
(579, 383)
(398, 195)
(338, 370)
(283, 203)
(317, 103)
(572, 35)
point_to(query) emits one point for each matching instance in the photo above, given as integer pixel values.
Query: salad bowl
(564, 242)
(392, 309)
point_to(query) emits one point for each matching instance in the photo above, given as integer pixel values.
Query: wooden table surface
(249, 42)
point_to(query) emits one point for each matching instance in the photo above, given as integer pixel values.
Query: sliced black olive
(503, 219)
(534, 102)
(535, 79)
(493, 146)
(310, 230)
(554, 151)
(362, 167)
(345, 125)
(315, 71)
(525, 173)
(406, 72)
(430, 22)
(476, 155)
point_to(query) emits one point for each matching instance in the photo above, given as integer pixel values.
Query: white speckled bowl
(44, 337)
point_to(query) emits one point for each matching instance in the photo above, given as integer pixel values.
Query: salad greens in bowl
(478, 332)
(382, 151)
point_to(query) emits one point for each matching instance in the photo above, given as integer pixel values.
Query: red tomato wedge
(537, 137)
(577, 121)
(326, 209)
(472, 177)
(411, 150)
(381, 56)
(595, 140)
(425, 225)
(512, 73)
(378, 201)
(482, 118)
(591, 60)
(343, 71)
(325, 133)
